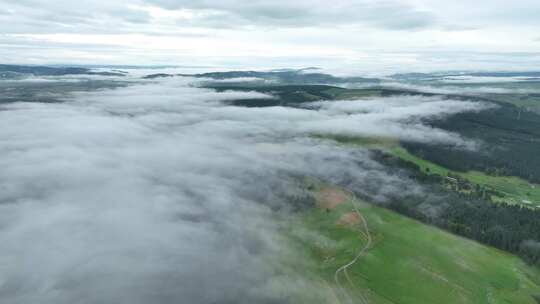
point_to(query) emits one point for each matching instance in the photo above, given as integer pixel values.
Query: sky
(355, 35)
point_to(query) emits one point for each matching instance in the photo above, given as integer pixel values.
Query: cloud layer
(363, 35)
(160, 192)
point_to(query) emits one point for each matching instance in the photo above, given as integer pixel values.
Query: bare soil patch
(330, 197)
(349, 219)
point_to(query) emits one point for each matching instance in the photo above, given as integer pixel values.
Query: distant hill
(15, 71)
(300, 76)
(532, 75)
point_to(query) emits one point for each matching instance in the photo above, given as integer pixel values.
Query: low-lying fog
(160, 192)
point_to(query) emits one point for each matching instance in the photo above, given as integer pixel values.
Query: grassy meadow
(409, 262)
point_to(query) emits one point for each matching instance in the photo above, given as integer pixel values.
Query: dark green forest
(508, 143)
(512, 228)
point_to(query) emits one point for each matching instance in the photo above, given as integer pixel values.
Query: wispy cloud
(388, 14)
(463, 89)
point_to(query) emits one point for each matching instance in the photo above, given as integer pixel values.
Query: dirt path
(362, 251)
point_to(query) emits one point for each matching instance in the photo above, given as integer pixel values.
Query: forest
(508, 138)
(512, 228)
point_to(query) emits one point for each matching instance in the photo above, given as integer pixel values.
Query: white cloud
(396, 117)
(463, 89)
(483, 79)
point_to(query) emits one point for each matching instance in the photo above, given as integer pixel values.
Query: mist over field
(162, 191)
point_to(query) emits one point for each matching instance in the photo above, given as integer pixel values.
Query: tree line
(512, 228)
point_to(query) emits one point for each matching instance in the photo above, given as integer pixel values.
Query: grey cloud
(22, 42)
(37, 16)
(386, 14)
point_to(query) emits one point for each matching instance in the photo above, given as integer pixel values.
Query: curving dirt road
(361, 252)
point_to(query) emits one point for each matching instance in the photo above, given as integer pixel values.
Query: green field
(516, 190)
(409, 262)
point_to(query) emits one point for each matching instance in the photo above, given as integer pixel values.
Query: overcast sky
(365, 35)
